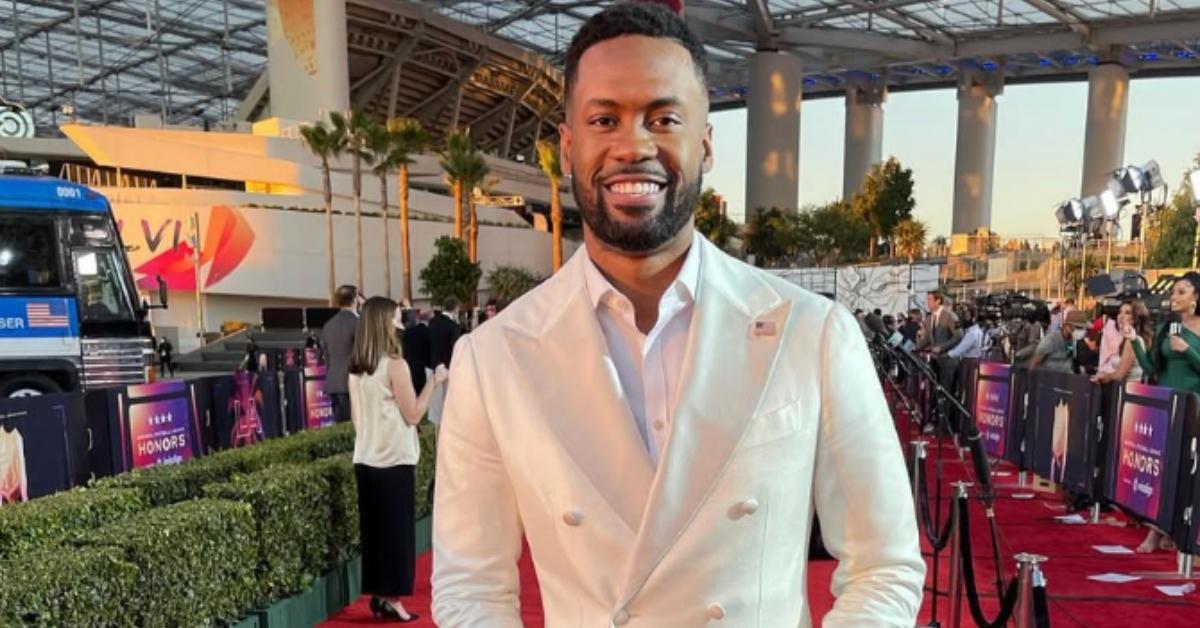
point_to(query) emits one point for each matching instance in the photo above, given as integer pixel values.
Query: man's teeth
(635, 188)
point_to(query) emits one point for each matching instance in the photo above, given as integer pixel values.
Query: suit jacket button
(621, 618)
(750, 506)
(572, 518)
(715, 612)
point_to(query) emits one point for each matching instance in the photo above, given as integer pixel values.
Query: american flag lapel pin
(764, 328)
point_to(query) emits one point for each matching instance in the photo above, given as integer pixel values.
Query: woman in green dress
(1173, 358)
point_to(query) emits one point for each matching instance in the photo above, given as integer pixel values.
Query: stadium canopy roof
(196, 60)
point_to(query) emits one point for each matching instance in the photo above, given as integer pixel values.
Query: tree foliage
(507, 283)
(771, 237)
(450, 273)
(886, 199)
(711, 222)
(1173, 232)
(909, 237)
(831, 234)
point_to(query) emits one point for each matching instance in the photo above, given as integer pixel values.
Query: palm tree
(909, 236)
(325, 143)
(552, 166)
(473, 179)
(356, 128)
(408, 138)
(455, 161)
(379, 145)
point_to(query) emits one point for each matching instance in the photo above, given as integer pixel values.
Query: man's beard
(640, 237)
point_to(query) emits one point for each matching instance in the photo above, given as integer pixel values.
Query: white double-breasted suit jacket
(780, 411)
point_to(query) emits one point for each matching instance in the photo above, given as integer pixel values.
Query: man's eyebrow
(659, 103)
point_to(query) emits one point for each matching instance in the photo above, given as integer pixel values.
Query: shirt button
(750, 506)
(715, 612)
(621, 618)
(572, 518)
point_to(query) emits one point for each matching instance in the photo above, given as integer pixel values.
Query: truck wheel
(27, 385)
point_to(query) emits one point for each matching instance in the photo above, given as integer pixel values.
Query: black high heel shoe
(383, 608)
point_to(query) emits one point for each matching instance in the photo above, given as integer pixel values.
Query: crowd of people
(1110, 345)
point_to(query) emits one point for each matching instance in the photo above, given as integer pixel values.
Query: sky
(1039, 148)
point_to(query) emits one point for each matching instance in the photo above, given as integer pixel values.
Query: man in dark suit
(941, 334)
(337, 341)
(443, 333)
(415, 342)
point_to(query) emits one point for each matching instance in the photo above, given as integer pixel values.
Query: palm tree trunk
(871, 247)
(473, 233)
(387, 242)
(405, 251)
(328, 190)
(458, 210)
(358, 221)
(556, 251)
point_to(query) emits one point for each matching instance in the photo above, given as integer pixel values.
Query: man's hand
(1178, 345)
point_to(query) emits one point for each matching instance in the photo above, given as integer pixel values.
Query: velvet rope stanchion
(1032, 610)
(1008, 601)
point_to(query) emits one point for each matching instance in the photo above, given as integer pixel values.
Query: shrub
(425, 469)
(343, 500)
(293, 517)
(194, 564)
(175, 483)
(53, 519)
(86, 586)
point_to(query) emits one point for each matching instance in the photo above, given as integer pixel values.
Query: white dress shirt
(971, 345)
(648, 365)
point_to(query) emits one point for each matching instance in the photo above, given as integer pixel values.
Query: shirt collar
(686, 282)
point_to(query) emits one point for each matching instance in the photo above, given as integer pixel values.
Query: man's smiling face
(636, 141)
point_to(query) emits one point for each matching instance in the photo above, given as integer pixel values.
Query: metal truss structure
(189, 61)
(492, 65)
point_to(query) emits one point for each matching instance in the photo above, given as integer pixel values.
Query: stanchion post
(956, 570)
(918, 458)
(1029, 575)
(1186, 565)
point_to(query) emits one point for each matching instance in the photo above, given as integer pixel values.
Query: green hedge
(84, 586)
(194, 563)
(65, 516)
(294, 516)
(175, 483)
(343, 498)
(425, 468)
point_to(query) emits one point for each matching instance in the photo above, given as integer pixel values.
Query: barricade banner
(245, 408)
(1146, 451)
(1064, 429)
(36, 457)
(1019, 450)
(993, 406)
(154, 424)
(308, 405)
(968, 377)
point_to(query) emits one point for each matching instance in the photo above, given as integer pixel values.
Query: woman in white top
(385, 410)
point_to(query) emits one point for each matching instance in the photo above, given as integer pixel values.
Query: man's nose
(634, 145)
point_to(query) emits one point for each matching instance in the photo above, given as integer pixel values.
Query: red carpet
(1025, 526)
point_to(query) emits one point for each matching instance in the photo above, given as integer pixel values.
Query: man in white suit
(658, 419)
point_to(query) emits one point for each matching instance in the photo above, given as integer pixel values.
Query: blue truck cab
(70, 315)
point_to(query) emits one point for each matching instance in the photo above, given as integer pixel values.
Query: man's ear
(707, 145)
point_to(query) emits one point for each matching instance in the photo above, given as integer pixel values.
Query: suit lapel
(592, 419)
(726, 367)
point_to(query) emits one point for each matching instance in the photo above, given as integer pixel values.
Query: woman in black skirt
(385, 410)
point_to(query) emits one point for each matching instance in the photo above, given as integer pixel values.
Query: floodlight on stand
(1070, 212)
(1129, 178)
(1110, 204)
(1152, 178)
(1093, 213)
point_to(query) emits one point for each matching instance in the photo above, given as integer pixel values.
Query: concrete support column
(975, 152)
(308, 66)
(773, 132)
(1104, 141)
(864, 134)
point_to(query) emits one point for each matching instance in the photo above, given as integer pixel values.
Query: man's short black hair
(633, 18)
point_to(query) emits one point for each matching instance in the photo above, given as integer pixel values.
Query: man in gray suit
(941, 326)
(337, 341)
